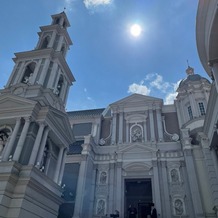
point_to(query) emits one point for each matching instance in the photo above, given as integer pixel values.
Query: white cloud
(94, 3)
(85, 89)
(172, 95)
(170, 98)
(159, 83)
(139, 89)
(69, 4)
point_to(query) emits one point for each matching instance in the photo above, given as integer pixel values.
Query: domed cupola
(192, 99)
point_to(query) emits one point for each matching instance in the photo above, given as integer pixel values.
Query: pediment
(137, 148)
(59, 121)
(11, 102)
(137, 100)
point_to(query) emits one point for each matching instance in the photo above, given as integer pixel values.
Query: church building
(93, 163)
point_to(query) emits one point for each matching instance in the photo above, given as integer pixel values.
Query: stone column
(114, 128)
(36, 144)
(166, 208)
(191, 171)
(44, 72)
(53, 76)
(145, 131)
(118, 195)
(21, 140)
(10, 144)
(127, 132)
(156, 188)
(111, 203)
(36, 70)
(151, 118)
(159, 125)
(60, 43)
(58, 165)
(52, 40)
(120, 127)
(80, 187)
(214, 65)
(42, 147)
(20, 73)
(62, 165)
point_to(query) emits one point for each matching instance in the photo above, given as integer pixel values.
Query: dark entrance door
(138, 192)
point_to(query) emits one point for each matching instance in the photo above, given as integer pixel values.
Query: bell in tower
(35, 132)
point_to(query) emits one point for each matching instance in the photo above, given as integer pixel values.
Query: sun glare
(135, 30)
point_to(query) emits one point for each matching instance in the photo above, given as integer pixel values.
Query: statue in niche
(101, 208)
(27, 79)
(44, 158)
(179, 207)
(3, 140)
(174, 175)
(103, 178)
(136, 134)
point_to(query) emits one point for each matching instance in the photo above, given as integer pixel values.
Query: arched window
(5, 132)
(28, 73)
(201, 108)
(59, 85)
(45, 42)
(57, 20)
(190, 112)
(63, 49)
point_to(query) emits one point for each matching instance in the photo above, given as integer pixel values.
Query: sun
(135, 30)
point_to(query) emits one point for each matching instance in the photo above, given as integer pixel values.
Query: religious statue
(179, 207)
(27, 79)
(103, 178)
(136, 134)
(174, 175)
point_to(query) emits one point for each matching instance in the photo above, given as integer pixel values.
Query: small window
(45, 42)
(190, 112)
(201, 108)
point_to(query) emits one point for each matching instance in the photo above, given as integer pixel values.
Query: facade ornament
(103, 178)
(174, 175)
(174, 136)
(179, 207)
(100, 210)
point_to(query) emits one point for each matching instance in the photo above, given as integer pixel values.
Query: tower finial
(187, 62)
(189, 70)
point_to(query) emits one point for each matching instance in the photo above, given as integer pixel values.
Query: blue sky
(106, 60)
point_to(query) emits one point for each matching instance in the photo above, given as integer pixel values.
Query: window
(29, 70)
(190, 112)
(201, 108)
(45, 42)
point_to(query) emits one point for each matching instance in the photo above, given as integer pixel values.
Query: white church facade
(87, 164)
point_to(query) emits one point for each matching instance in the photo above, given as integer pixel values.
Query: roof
(82, 113)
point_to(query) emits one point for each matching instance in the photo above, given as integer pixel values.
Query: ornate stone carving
(101, 207)
(136, 133)
(103, 178)
(174, 175)
(178, 207)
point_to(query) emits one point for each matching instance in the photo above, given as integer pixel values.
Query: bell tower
(42, 74)
(35, 132)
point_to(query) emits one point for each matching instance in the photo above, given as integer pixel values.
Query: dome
(192, 78)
